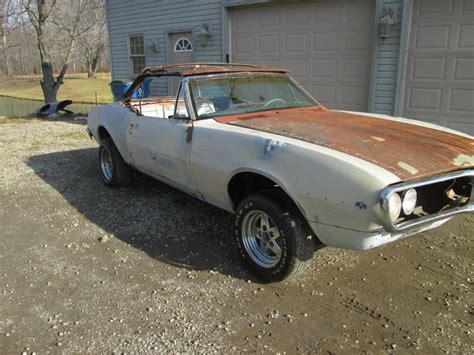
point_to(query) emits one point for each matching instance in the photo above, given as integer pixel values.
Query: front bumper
(419, 222)
(357, 240)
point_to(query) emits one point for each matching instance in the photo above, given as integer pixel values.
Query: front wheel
(275, 242)
(115, 171)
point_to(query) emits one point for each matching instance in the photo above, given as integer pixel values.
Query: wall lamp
(203, 36)
(153, 46)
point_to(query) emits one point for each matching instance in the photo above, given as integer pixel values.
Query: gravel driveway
(85, 268)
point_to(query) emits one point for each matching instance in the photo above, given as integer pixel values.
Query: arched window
(183, 45)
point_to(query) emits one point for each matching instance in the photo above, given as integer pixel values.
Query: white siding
(155, 19)
(386, 62)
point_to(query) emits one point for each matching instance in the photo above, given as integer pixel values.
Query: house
(410, 58)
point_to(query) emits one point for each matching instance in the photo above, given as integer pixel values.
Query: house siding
(155, 19)
(385, 63)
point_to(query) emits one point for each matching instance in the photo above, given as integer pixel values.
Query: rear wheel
(115, 171)
(274, 241)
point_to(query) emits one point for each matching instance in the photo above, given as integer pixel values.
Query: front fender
(329, 187)
(115, 119)
(255, 170)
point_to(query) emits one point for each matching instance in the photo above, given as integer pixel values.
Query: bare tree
(54, 21)
(93, 43)
(3, 45)
(10, 13)
(22, 54)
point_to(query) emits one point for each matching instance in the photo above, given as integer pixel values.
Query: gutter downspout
(375, 52)
(403, 57)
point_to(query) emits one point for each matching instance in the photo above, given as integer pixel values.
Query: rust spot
(255, 116)
(219, 70)
(425, 151)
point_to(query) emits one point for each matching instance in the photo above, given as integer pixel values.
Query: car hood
(407, 150)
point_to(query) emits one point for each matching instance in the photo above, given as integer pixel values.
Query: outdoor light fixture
(386, 22)
(204, 35)
(153, 45)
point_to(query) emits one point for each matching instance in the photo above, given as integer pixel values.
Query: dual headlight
(405, 202)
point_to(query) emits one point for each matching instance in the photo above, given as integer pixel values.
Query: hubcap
(261, 239)
(106, 164)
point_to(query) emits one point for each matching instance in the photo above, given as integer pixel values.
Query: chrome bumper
(390, 226)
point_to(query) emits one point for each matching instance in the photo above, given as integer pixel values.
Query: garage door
(440, 71)
(326, 44)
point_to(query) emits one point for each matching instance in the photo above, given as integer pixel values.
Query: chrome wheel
(106, 164)
(261, 239)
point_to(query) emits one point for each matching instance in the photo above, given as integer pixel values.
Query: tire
(114, 170)
(292, 247)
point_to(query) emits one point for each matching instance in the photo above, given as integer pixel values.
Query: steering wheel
(274, 101)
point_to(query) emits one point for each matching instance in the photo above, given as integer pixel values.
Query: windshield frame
(195, 115)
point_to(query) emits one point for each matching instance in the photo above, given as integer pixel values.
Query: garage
(440, 69)
(327, 46)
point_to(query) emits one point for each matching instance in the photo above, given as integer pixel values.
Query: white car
(296, 175)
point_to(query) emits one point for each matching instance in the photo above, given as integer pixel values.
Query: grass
(76, 87)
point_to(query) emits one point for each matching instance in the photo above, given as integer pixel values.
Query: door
(161, 147)
(440, 71)
(326, 44)
(181, 51)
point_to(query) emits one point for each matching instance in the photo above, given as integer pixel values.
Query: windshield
(236, 95)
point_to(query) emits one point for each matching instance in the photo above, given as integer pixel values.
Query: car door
(161, 147)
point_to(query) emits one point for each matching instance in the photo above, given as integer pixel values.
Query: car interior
(159, 107)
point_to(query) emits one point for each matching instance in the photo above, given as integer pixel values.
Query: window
(137, 53)
(221, 96)
(183, 45)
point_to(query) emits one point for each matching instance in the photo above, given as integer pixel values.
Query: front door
(181, 51)
(161, 147)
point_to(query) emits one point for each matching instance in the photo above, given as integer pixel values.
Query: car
(297, 175)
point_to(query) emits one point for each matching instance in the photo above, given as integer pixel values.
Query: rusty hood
(409, 151)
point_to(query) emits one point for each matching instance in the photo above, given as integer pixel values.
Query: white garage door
(326, 44)
(440, 71)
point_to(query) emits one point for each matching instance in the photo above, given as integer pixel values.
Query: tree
(57, 24)
(10, 14)
(93, 43)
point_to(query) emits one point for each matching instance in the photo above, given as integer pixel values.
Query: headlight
(409, 202)
(394, 206)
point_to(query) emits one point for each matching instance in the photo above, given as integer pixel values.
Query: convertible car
(297, 175)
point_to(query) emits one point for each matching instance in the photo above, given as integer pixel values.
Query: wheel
(274, 241)
(115, 172)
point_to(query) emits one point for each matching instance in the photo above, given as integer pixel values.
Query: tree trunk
(90, 72)
(6, 64)
(47, 84)
(93, 67)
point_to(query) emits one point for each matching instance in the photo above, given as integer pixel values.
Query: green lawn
(76, 87)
